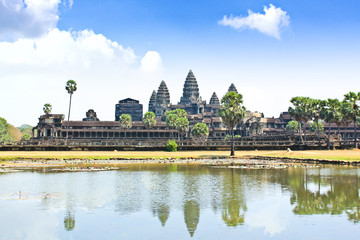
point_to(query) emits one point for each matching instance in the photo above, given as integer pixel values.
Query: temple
(53, 126)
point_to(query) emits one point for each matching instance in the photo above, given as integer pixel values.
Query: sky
(271, 50)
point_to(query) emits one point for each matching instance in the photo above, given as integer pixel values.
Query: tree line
(342, 112)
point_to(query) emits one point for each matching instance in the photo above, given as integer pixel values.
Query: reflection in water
(191, 215)
(341, 196)
(169, 193)
(69, 222)
(234, 205)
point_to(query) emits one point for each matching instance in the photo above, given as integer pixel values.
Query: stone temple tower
(232, 88)
(214, 100)
(190, 90)
(152, 102)
(162, 99)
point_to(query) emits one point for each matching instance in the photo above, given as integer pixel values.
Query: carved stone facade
(152, 102)
(91, 116)
(214, 100)
(162, 100)
(232, 88)
(129, 106)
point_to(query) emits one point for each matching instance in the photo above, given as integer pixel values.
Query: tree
(313, 127)
(182, 125)
(300, 112)
(173, 116)
(70, 87)
(125, 122)
(5, 135)
(332, 113)
(200, 132)
(231, 113)
(171, 122)
(293, 126)
(353, 110)
(149, 121)
(317, 114)
(47, 108)
(26, 137)
(69, 222)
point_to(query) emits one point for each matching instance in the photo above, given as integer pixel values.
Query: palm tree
(171, 122)
(70, 87)
(47, 108)
(297, 113)
(331, 114)
(200, 132)
(149, 121)
(231, 113)
(125, 122)
(317, 114)
(353, 111)
(182, 125)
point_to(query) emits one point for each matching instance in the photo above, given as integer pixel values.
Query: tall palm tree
(353, 111)
(331, 114)
(182, 125)
(232, 112)
(300, 112)
(149, 121)
(317, 114)
(125, 122)
(70, 87)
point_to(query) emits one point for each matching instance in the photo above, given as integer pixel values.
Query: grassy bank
(338, 155)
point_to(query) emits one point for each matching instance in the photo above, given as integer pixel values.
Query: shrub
(171, 146)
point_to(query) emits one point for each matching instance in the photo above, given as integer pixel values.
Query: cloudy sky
(271, 51)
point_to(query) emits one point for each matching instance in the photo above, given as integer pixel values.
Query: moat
(179, 201)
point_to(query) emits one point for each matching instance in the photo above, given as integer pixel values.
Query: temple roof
(163, 95)
(190, 90)
(232, 88)
(214, 100)
(152, 102)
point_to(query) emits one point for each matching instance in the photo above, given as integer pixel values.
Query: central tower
(190, 90)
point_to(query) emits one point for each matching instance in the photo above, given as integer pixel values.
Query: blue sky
(118, 49)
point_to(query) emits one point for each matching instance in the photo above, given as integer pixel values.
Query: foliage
(171, 120)
(232, 112)
(178, 112)
(182, 125)
(8, 133)
(149, 120)
(228, 137)
(292, 126)
(26, 137)
(4, 130)
(47, 108)
(200, 131)
(313, 127)
(125, 121)
(352, 109)
(300, 112)
(176, 119)
(71, 86)
(171, 146)
(25, 128)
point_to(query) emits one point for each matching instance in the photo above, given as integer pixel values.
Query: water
(181, 202)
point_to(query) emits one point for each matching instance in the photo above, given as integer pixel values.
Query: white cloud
(269, 23)
(27, 18)
(34, 72)
(151, 62)
(37, 59)
(71, 2)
